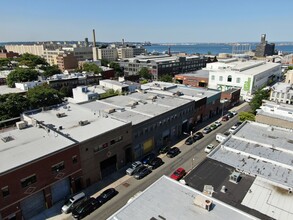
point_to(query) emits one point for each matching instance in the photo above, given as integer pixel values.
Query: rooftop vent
(203, 202)
(152, 97)
(110, 110)
(7, 139)
(61, 115)
(83, 123)
(143, 102)
(178, 93)
(120, 109)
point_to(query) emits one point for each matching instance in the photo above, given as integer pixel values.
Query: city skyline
(138, 21)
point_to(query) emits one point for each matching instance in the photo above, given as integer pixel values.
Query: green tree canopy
(243, 116)
(21, 75)
(44, 96)
(91, 67)
(12, 105)
(144, 73)
(50, 70)
(31, 60)
(118, 70)
(104, 62)
(4, 62)
(166, 78)
(256, 101)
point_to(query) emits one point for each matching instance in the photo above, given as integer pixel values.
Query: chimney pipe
(94, 36)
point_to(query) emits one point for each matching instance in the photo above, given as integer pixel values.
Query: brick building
(198, 78)
(67, 62)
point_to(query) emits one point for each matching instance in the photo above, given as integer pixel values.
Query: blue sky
(152, 20)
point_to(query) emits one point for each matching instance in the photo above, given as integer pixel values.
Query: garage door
(60, 190)
(33, 205)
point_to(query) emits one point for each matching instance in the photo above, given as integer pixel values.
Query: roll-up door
(60, 190)
(33, 205)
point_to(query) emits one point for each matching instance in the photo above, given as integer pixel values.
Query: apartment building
(282, 93)
(35, 49)
(67, 62)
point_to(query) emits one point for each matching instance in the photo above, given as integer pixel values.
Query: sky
(157, 21)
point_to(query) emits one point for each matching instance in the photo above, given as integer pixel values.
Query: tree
(256, 101)
(118, 70)
(144, 73)
(246, 116)
(91, 67)
(166, 78)
(50, 70)
(4, 62)
(290, 67)
(31, 60)
(104, 62)
(44, 96)
(21, 75)
(12, 105)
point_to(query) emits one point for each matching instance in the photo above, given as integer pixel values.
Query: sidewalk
(117, 178)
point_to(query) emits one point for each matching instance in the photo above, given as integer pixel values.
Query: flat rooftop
(169, 199)
(27, 145)
(136, 107)
(260, 150)
(96, 123)
(198, 73)
(282, 87)
(190, 93)
(7, 90)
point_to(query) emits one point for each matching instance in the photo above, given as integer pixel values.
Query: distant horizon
(142, 42)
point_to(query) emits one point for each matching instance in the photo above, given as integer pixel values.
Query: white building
(25, 86)
(109, 53)
(84, 93)
(247, 75)
(282, 93)
(21, 49)
(115, 85)
(277, 114)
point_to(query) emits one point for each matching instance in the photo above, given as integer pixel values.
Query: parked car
(230, 115)
(142, 173)
(164, 149)
(206, 130)
(73, 202)
(134, 166)
(213, 126)
(218, 123)
(85, 208)
(146, 159)
(189, 141)
(178, 174)
(225, 118)
(234, 113)
(197, 136)
(209, 148)
(234, 127)
(155, 163)
(173, 152)
(107, 195)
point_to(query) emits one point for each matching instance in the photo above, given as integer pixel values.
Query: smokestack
(94, 36)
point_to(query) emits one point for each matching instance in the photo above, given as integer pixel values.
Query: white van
(73, 202)
(222, 137)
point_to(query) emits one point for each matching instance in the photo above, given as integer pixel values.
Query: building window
(229, 79)
(116, 140)
(103, 146)
(5, 191)
(28, 181)
(221, 78)
(74, 159)
(238, 80)
(213, 77)
(58, 167)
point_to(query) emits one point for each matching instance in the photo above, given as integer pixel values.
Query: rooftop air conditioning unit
(110, 110)
(203, 202)
(83, 123)
(21, 125)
